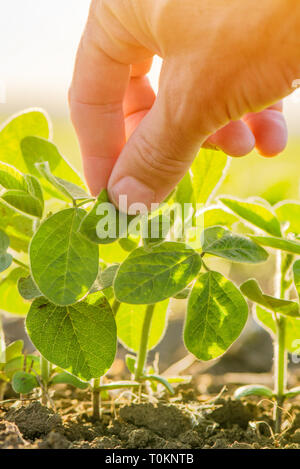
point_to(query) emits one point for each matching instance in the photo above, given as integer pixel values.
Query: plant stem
(120, 385)
(20, 263)
(115, 307)
(280, 354)
(2, 343)
(2, 357)
(84, 202)
(280, 372)
(2, 390)
(142, 354)
(45, 375)
(96, 398)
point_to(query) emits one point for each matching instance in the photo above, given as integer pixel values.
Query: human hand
(225, 64)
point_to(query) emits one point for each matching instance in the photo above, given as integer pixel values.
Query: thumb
(155, 158)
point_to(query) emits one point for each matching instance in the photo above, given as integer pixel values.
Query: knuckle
(158, 160)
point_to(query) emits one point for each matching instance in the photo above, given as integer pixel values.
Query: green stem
(2, 390)
(20, 263)
(45, 375)
(115, 307)
(205, 266)
(121, 385)
(280, 353)
(280, 372)
(84, 202)
(2, 343)
(142, 354)
(96, 398)
(2, 357)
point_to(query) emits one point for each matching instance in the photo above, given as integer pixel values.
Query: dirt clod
(230, 412)
(138, 438)
(54, 440)
(219, 424)
(104, 442)
(164, 420)
(191, 438)
(34, 420)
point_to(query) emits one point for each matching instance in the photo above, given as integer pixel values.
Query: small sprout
(23, 382)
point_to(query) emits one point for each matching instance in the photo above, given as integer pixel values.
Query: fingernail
(136, 192)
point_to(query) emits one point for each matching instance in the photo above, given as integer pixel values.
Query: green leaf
(129, 244)
(34, 188)
(24, 202)
(23, 382)
(112, 253)
(38, 150)
(155, 230)
(255, 213)
(27, 123)
(253, 390)
(17, 226)
(251, 290)
(217, 313)
(130, 319)
(292, 328)
(184, 193)
(293, 392)
(5, 262)
(27, 288)
(5, 258)
(29, 199)
(208, 168)
(80, 338)
(147, 277)
(67, 378)
(64, 264)
(130, 363)
(102, 224)
(69, 189)
(14, 350)
(4, 242)
(218, 241)
(289, 212)
(218, 216)
(296, 271)
(11, 178)
(106, 278)
(10, 300)
(183, 294)
(287, 245)
(30, 363)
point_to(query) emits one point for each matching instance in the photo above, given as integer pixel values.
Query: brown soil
(185, 421)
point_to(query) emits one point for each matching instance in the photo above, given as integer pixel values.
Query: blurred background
(38, 42)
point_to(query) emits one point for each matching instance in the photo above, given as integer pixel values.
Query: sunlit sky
(38, 41)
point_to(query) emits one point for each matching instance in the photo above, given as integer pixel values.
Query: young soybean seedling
(77, 307)
(277, 314)
(92, 277)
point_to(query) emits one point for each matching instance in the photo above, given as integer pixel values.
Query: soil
(187, 421)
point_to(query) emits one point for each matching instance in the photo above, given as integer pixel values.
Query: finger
(96, 104)
(235, 139)
(155, 158)
(270, 131)
(141, 68)
(138, 101)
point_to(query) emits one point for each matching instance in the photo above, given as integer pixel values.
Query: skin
(226, 66)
